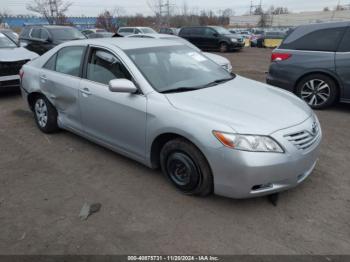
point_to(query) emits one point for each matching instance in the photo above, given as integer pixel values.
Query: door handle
(85, 91)
(43, 78)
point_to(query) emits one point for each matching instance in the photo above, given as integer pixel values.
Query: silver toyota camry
(166, 105)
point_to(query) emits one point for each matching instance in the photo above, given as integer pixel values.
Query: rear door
(60, 81)
(210, 38)
(343, 63)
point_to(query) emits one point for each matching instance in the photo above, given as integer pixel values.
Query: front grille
(11, 68)
(9, 83)
(304, 139)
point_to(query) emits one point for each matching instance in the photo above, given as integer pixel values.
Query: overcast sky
(93, 7)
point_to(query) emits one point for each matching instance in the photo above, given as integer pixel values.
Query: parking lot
(46, 179)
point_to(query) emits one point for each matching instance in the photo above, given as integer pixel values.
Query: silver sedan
(167, 105)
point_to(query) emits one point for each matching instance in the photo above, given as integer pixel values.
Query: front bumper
(240, 174)
(236, 46)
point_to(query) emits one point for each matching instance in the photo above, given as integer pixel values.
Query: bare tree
(51, 10)
(326, 9)
(107, 21)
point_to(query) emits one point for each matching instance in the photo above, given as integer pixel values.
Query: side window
(69, 59)
(209, 32)
(345, 44)
(35, 33)
(104, 66)
(320, 40)
(51, 63)
(44, 34)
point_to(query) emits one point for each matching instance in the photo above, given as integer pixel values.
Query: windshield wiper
(180, 89)
(219, 81)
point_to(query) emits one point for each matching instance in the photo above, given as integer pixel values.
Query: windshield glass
(221, 30)
(182, 41)
(6, 42)
(66, 34)
(147, 30)
(172, 68)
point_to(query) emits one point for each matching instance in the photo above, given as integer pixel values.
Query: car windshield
(221, 30)
(67, 34)
(177, 68)
(147, 30)
(181, 40)
(5, 42)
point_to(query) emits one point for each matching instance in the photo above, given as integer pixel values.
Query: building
(290, 20)
(17, 22)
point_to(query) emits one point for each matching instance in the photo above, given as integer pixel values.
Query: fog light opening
(262, 187)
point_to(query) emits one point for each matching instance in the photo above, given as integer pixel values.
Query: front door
(116, 119)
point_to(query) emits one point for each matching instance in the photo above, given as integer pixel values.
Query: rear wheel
(45, 115)
(186, 167)
(319, 91)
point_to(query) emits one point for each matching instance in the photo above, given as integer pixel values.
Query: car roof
(126, 43)
(154, 35)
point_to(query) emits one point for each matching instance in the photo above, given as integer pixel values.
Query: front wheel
(186, 167)
(223, 48)
(45, 115)
(318, 91)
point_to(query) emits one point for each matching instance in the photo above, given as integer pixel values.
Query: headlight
(252, 143)
(234, 40)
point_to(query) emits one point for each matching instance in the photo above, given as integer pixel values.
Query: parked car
(90, 31)
(101, 35)
(212, 38)
(314, 63)
(10, 34)
(40, 39)
(220, 60)
(124, 31)
(169, 30)
(12, 58)
(166, 105)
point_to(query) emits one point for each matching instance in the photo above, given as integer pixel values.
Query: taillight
(276, 57)
(21, 74)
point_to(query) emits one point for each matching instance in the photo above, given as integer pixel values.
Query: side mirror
(122, 86)
(215, 34)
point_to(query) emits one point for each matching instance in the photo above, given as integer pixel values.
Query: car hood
(249, 107)
(217, 58)
(16, 54)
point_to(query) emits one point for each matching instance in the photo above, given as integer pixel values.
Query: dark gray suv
(314, 62)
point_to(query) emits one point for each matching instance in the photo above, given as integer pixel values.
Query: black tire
(223, 48)
(329, 90)
(50, 125)
(186, 167)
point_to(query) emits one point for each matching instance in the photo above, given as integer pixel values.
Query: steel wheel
(315, 92)
(183, 171)
(41, 112)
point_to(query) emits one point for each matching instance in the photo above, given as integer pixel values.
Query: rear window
(321, 40)
(66, 33)
(126, 30)
(345, 44)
